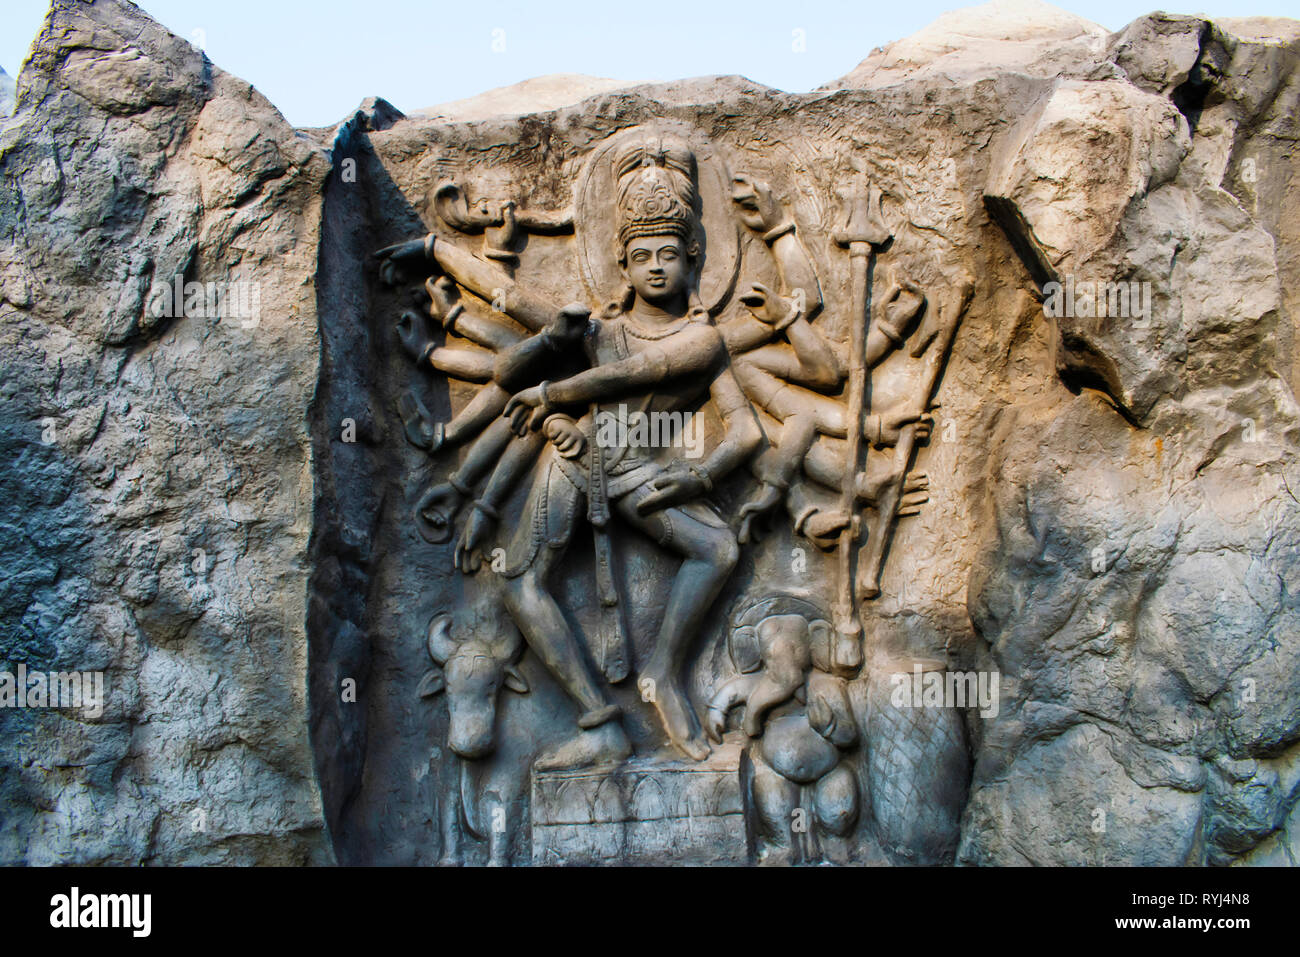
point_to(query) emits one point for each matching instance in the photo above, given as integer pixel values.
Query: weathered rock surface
(1114, 524)
(157, 490)
(530, 96)
(981, 42)
(6, 93)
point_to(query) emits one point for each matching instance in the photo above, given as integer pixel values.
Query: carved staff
(612, 640)
(872, 560)
(864, 232)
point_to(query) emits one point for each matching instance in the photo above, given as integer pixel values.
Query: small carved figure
(474, 658)
(799, 720)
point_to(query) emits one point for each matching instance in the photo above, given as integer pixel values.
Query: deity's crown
(656, 190)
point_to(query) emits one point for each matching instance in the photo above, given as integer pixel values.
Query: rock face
(158, 493)
(6, 93)
(220, 459)
(983, 42)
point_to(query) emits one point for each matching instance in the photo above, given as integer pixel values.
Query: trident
(863, 234)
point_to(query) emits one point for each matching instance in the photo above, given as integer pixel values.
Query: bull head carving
(472, 660)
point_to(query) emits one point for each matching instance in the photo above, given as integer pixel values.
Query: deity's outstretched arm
(763, 213)
(457, 362)
(808, 359)
(486, 280)
(483, 454)
(804, 415)
(795, 267)
(447, 307)
(742, 438)
(694, 351)
(814, 362)
(490, 282)
(516, 460)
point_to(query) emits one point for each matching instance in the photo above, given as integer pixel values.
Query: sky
(316, 61)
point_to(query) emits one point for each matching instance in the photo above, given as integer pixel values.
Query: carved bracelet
(702, 475)
(449, 321)
(790, 318)
(772, 235)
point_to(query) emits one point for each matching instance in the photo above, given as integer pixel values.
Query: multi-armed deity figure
(652, 348)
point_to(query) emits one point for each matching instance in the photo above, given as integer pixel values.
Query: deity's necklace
(641, 332)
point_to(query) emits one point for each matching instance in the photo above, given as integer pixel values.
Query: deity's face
(658, 268)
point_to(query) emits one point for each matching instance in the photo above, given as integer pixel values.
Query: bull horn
(441, 644)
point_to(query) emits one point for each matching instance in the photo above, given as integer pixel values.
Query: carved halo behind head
(656, 181)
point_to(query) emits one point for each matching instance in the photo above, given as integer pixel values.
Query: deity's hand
(676, 487)
(821, 717)
(436, 511)
(565, 436)
(871, 487)
(443, 298)
(759, 209)
(823, 527)
(468, 556)
(715, 724)
(767, 307)
(569, 325)
(413, 334)
(398, 257)
(901, 304)
(421, 430)
(892, 423)
(526, 410)
(916, 492)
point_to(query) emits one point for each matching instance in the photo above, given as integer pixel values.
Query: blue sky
(317, 60)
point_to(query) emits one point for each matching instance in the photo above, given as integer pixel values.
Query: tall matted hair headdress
(656, 191)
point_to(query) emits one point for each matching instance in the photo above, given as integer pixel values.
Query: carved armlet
(873, 430)
(486, 509)
(772, 235)
(702, 474)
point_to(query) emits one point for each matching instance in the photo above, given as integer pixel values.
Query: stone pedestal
(649, 810)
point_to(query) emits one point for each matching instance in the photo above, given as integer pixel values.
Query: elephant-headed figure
(798, 789)
(475, 654)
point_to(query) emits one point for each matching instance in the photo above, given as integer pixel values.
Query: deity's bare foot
(604, 744)
(675, 714)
